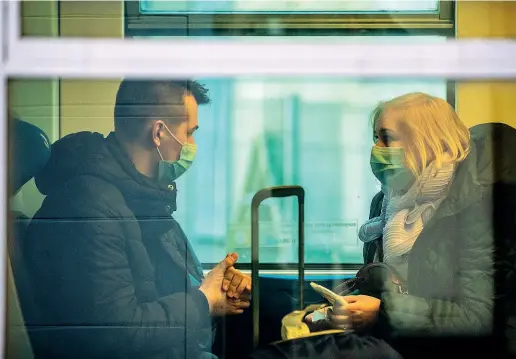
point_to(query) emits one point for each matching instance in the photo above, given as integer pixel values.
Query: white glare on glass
(287, 6)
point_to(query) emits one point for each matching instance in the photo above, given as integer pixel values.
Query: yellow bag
(293, 325)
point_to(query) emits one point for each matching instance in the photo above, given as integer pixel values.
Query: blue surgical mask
(169, 171)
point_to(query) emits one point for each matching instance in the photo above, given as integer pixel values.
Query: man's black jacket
(110, 268)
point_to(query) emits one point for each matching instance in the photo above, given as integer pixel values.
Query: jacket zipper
(401, 290)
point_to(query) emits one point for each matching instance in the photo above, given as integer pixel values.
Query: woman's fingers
(359, 310)
(357, 320)
(339, 320)
(350, 298)
(353, 307)
(340, 307)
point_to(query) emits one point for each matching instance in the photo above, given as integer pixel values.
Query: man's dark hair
(139, 100)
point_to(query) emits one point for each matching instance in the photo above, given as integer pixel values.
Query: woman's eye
(386, 139)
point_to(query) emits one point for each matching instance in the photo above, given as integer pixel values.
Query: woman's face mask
(388, 166)
(169, 171)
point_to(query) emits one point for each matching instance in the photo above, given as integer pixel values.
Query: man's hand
(235, 283)
(211, 287)
(236, 306)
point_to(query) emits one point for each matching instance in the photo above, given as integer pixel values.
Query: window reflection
(261, 132)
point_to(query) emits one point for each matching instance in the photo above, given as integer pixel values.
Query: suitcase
(258, 198)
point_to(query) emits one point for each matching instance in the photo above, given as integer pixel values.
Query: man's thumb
(229, 261)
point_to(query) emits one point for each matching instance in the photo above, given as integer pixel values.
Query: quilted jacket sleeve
(144, 327)
(470, 313)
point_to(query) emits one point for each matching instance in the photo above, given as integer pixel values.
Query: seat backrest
(30, 150)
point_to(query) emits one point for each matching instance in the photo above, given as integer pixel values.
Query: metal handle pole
(259, 197)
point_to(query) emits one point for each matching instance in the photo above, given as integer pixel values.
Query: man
(113, 274)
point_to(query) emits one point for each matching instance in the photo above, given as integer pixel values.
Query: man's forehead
(181, 108)
(189, 100)
(191, 109)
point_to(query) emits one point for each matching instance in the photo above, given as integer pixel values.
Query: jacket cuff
(382, 327)
(203, 309)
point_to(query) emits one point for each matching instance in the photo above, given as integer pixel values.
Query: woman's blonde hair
(430, 128)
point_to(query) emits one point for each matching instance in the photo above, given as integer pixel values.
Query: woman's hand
(336, 317)
(339, 314)
(318, 325)
(363, 308)
(349, 312)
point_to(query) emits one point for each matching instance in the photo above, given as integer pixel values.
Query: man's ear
(157, 132)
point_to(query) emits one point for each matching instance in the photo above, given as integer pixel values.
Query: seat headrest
(30, 152)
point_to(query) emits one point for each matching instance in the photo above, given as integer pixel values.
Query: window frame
(137, 24)
(213, 24)
(465, 59)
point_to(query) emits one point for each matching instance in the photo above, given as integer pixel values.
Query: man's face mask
(388, 165)
(169, 171)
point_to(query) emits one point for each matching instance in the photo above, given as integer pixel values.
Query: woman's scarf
(403, 216)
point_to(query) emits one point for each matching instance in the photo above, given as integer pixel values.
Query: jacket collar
(465, 188)
(146, 197)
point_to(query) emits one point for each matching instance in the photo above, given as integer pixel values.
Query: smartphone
(325, 293)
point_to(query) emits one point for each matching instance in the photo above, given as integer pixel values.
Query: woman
(434, 226)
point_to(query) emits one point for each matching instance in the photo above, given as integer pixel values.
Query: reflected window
(261, 132)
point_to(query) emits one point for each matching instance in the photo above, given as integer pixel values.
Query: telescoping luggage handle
(259, 197)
